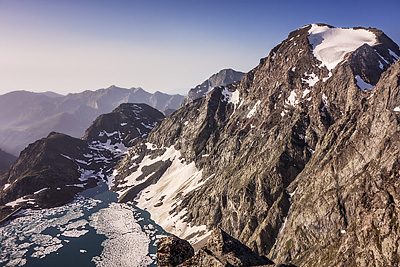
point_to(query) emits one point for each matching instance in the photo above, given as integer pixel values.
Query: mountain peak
(221, 78)
(330, 45)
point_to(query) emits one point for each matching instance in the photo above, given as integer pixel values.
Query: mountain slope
(350, 187)
(51, 171)
(230, 159)
(223, 77)
(6, 160)
(26, 117)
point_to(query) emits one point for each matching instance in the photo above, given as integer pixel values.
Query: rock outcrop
(172, 251)
(345, 206)
(124, 125)
(224, 250)
(288, 159)
(222, 78)
(51, 171)
(220, 250)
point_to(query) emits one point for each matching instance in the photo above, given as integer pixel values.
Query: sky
(68, 46)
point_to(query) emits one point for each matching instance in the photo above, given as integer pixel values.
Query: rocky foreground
(220, 250)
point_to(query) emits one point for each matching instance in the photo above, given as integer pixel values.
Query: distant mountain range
(26, 116)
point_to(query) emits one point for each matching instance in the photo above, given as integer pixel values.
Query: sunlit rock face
(222, 78)
(282, 158)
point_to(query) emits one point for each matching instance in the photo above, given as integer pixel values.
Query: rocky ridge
(220, 250)
(222, 78)
(252, 151)
(52, 170)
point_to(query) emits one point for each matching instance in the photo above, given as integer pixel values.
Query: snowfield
(330, 45)
(161, 198)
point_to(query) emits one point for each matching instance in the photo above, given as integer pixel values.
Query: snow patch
(253, 110)
(396, 109)
(20, 200)
(150, 146)
(227, 94)
(76, 185)
(102, 133)
(324, 98)
(160, 198)
(387, 62)
(292, 99)
(286, 218)
(330, 45)
(311, 79)
(37, 192)
(362, 84)
(393, 54)
(235, 98)
(305, 93)
(380, 65)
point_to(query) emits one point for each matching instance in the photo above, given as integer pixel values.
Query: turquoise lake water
(94, 230)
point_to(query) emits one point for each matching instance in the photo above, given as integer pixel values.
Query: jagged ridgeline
(298, 160)
(53, 170)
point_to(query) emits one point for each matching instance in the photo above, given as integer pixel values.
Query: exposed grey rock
(172, 251)
(42, 165)
(346, 203)
(224, 250)
(128, 122)
(290, 165)
(222, 78)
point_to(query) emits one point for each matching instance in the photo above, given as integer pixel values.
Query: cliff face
(346, 200)
(222, 78)
(288, 159)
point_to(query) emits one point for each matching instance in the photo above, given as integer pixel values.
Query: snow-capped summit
(330, 45)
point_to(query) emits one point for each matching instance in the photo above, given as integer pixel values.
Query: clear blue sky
(170, 46)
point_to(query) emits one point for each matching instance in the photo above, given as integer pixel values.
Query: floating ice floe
(25, 236)
(126, 244)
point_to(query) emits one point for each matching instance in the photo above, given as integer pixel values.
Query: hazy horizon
(168, 46)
